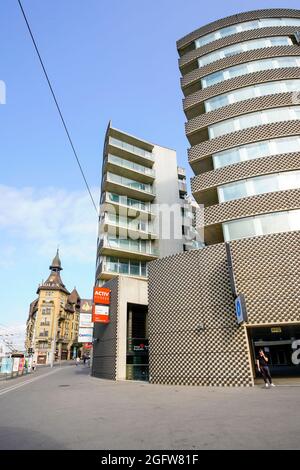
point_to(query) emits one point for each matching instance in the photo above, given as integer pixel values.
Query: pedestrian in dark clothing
(262, 365)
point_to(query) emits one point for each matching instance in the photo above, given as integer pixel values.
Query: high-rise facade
(240, 79)
(241, 86)
(144, 215)
(141, 185)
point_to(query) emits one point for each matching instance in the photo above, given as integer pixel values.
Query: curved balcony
(200, 156)
(183, 43)
(195, 76)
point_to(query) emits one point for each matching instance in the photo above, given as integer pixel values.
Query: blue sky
(113, 59)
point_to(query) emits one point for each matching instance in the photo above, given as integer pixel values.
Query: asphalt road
(65, 408)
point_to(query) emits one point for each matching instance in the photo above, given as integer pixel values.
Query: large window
(249, 67)
(246, 26)
(265, 224)
(244, 47)
(263, 89)
(261, 149)
(267, 116)
(259, 185)
(124, 266)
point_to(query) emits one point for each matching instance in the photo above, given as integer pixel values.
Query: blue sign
(240, 309)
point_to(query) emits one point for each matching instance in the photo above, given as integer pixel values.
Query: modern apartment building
(52, 324)
(144, 215)
(241, 86)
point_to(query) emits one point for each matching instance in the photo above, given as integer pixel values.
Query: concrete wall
(192, 288)
(133, 291)
(167, 193)
(109, 353)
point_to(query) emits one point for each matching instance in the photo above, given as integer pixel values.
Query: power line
(57, 105)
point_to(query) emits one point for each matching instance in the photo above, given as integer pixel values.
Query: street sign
(101, 314)
(85, 335)
(102, 295)
(240, 309)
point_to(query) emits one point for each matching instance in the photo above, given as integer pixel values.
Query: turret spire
(56, 263)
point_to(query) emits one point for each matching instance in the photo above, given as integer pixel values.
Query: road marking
(15, 387)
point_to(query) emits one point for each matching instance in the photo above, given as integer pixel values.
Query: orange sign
(100, 314)
(102, 295)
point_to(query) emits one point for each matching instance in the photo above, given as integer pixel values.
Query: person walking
(33, 366)
(262, 365)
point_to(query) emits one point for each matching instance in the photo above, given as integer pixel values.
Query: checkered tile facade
(267, 270)
(234, 19)
(186, 290)
(246, 136)
(193, 288)
(239, 82)
(254, 205)
(242, 170)
(105, 348)
(243, 57)
(237, 109)
(233, 39)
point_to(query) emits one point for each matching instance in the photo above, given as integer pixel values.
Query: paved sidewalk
(68, 409)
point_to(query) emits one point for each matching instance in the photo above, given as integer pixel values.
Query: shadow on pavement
(83, 370)
(26, 439)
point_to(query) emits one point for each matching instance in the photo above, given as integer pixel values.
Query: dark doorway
(137, 358)
(277, 341)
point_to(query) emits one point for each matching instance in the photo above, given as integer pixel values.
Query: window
(134, 268)
(254, 119)
(249, 67)
(259, 185)
(256, 150)
(264, 224)
(254, 91)
(243, 47)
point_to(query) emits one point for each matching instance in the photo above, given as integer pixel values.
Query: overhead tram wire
(57, 106)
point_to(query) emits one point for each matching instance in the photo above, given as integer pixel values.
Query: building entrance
(137, 357)
(280, 345)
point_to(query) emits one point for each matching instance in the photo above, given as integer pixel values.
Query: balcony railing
(129, 267)
(128, 202)
(136, 185)
(136, 246)
(182, 186)
(129, 165)
(126, 223)
(131, 148)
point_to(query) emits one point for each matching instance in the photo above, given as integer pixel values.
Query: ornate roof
(74, 297)
(54, 281)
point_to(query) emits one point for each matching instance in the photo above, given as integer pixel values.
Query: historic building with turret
(53, 320)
